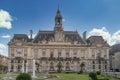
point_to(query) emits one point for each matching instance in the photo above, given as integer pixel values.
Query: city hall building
(58, 49)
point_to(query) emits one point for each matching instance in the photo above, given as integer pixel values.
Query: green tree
(59, 66)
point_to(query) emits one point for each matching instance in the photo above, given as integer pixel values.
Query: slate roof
(95, 39)
(115, 48)
(71, 36)
(43, 35)
(21, 37)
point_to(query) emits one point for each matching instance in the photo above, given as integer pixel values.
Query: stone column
(15, 68)
(9, 65)
(26, 66)
(33, 69)
(23, 67)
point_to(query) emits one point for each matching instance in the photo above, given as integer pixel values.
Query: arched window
(67, 66)
(51, 66)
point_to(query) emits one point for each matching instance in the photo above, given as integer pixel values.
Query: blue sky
(97, 17)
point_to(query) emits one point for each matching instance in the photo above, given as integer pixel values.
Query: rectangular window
(19, 52)
(105, 66)
(59, 54)
(75, 55)
(51, 55)
(93, 66)
(99, 66)
(93, 56)
(99, 62)
(67, 55)
(93, 62)
(43, 54)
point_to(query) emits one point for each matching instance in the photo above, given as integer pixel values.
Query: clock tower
(58, 29)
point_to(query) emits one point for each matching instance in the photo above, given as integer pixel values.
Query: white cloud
(6, 36)
(116, 37)
(2, 46)
(3, 49)
(32, 35)
(5, 19)
(110, 38)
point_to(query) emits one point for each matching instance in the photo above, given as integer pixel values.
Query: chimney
(84, 35)
(31, 34)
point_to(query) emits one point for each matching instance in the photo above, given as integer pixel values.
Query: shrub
(23, 76)
(80, 72)
(93, 75)
(98, 72)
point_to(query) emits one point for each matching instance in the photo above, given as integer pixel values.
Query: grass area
(75, 76)
(2, 75)
(70, 76)
(66, 76)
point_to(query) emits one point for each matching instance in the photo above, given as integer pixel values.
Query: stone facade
(115, 57)
(3, 63)
(58, 49)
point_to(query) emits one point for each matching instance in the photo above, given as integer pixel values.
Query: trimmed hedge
(93, 75)
(98, 72)
(23, 76)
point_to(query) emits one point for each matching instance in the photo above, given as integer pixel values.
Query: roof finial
(58, 7)
(58, 4)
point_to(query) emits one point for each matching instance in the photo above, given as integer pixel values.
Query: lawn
(75, 76)
(66, 76)
(2, 75)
